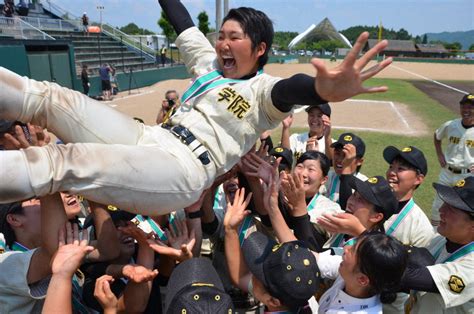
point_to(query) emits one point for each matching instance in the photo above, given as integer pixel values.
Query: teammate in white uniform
(457, 161)
(229, 104)
(317, 138)
(450, 282)
(348, 157)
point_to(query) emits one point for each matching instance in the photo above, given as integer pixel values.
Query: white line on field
(391, 104)
(428, 79)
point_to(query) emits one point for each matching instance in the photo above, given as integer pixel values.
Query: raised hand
(326, 126)
(138, 234)
(287, 122)
(255, 166)
(292, 186)
(346, 79)
(71, 251)
(138, 273)
(180, 242)
(341, 223)
(237, 211)
(270, 193)
(104, 294)
(26, 136)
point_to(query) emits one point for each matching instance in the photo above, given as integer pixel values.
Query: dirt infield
(356, 115)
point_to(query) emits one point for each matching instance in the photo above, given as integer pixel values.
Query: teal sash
(404, 212)
(243, 228)
(312, 204)
(339, 241)
(463, 251)
(332, 193)
(157, 228)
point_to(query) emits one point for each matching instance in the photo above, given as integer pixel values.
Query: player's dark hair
(383, 259)
(315, 155)
(5, 228)
(257, 26)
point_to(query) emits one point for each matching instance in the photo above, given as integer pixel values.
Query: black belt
(458, 171)
(186, 137)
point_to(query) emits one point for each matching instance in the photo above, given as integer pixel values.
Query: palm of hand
(136, 273)
(68, 258)
(177, 241)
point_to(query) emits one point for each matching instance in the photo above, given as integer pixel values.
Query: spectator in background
(104, 73)
(8, 10)
(85, 80)
(163, 55)
(85, 23)
(113, 80)
(168, 106)
(23, 8)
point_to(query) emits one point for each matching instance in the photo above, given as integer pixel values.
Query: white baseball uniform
(453, 275)
(226, 116)
(320, 205)
(410, 226)
(459, 155)
(298, 143)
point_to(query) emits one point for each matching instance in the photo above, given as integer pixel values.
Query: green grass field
(429, 110)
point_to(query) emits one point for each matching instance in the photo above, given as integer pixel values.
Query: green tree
(471, 47)
(165, 25)
(203, 24)
(425, 39)
(133, 29)
(453, 47)
(402, 34)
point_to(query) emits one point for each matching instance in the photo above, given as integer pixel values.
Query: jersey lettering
(470, 143)
(238, 106)
(454, 140)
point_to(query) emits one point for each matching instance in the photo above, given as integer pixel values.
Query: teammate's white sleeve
(442, 130)
(329, 264)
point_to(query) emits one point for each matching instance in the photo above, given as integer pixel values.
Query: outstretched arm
(337, 84)
(177, 14)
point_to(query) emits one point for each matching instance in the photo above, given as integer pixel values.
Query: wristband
(194, 215)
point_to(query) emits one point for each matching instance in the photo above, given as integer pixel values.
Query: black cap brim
(364, 190)
(194, 270)
(451, 197)
(391, 152)
(256, 249)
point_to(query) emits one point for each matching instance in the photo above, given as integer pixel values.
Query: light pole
(100, 8)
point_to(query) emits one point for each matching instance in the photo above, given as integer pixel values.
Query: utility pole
(226, 7)
(218, 14)
(100, 8)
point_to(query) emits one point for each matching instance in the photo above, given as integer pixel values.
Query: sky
(416, 16)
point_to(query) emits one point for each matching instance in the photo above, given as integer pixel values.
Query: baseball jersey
(320, 205)
(298, 144)
(16, 296)
(459, 152)
(331, 188)
(411, 226)
(453, 275)
(225, 115)
(335, 300)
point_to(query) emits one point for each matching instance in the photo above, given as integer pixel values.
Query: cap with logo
(350, 138)
(288, 271)
(195, 287)
(410, 154)
(467, 99)
(325, 108)
(377, 191)
(460, 196)
(115, 214)
(284, 153)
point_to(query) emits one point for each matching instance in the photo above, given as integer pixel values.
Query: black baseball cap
(288, 271)
(351, 138)
(195, 287)
(325, 108)
(115, 214)
(285, 154)
(410, 154)
(467, 99)
(460, 196)
(377, 191)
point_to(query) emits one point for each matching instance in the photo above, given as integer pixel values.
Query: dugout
(42, 60)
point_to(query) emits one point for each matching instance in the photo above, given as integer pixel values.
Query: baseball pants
(114, 159)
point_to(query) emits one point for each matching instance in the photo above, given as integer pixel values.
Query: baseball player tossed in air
(155, 169)
(457, 161)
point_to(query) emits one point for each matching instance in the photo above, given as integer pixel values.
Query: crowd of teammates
(292, 228)
(285, 230)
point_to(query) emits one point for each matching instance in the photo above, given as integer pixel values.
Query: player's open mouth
(339, 166)
(392, 182)
(71, 202)
(228, 62)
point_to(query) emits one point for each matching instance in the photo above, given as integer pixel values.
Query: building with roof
(432, 51)
(395, 48)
